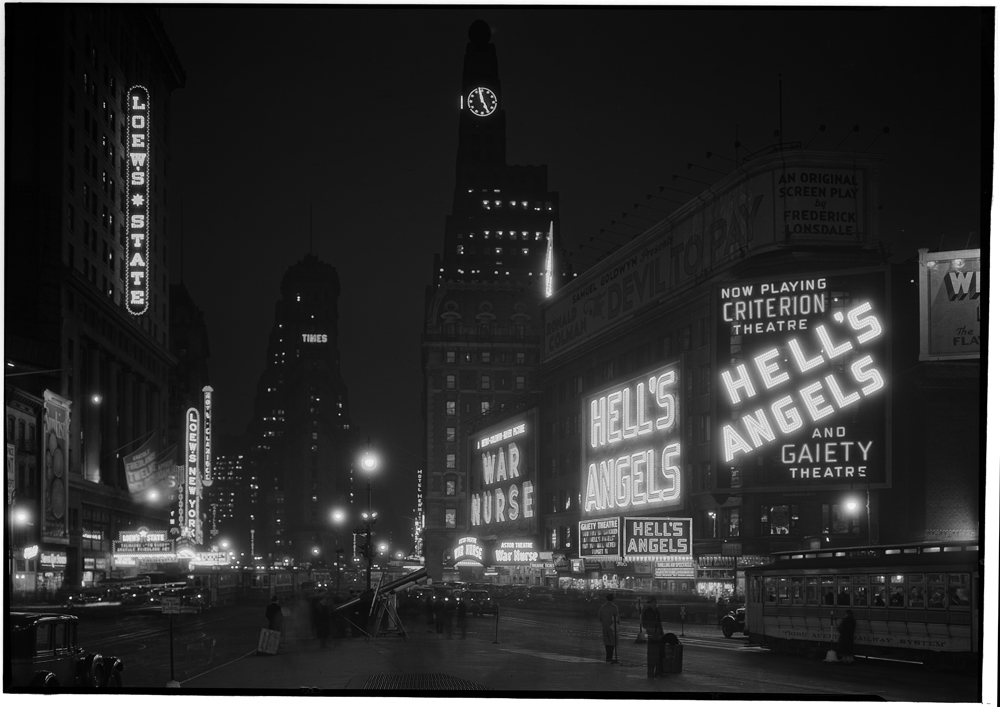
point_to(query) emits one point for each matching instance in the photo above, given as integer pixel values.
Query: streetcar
(919, 602)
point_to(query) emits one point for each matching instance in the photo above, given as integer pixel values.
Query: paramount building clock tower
(482, 327)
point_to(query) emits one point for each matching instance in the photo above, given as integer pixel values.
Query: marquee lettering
(137, 204)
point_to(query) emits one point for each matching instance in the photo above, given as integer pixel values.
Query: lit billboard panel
(601, 538)
(631, 445)
(951, 288)
(801, 382)
(504, 478)
(660, 539)
(137, 206)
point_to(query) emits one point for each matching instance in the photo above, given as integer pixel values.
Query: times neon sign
(828, 367)
(632, 445)
(137, 206)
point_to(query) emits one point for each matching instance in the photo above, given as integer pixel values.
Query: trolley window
(879, 592)
(859, 590)
(798, 596)
(958, 591)
(843, 590)
(828, 585)
(783, 591)
(915, 590)
(937, 591)
(812, 591)
(770, 595)
(897, 595)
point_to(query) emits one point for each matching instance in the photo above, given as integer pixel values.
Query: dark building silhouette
(68, 332)
(302, 441)
(482, 330)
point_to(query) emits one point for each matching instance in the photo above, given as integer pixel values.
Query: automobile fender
(113, 667)
(45, 680)
(90, 671)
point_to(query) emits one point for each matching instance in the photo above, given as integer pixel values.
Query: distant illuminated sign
(504, 475)
(145, 543)
(515, 552)
(549, 261)
(314, 338)
(137, 207)
(600, 539)
(469, 548)
(800, 387)
(631, 445)
(192, 492)
(657, 539)
(207, 436)
(951, 297)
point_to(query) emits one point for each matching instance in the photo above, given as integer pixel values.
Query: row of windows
(491, 250)
(486, 382)
(491, 204)
(932, 590)
(451, 407)
(504, 357)
(510, 235)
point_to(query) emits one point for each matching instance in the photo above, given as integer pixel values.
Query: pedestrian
(429, 606)
(608, 616)
(322, 619)
(439, 614)
(653, 626)
(463, 615)
(845, 646)
(275, 619)
(449, 615)
(721, 609)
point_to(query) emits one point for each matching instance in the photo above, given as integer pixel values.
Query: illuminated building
(229, 501)
(791, 348)
(482, 329)
(68, 329)
(302, 441)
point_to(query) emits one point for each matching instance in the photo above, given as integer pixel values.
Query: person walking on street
(653, 626)
(429, 607)
(322, 619)
(439, 614)
(845, 646)
(608, 616)
(275, 619)
(721, 609)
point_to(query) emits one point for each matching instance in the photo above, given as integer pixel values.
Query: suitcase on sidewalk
(268, 641)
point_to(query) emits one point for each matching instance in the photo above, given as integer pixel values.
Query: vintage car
(479, 601)
(45, 655)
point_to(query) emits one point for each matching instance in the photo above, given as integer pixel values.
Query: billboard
(657, 539)
(137, 206)
(632, 445)
(55, 466)
(504, 477)
(600, 538)
(794, 198)
(191, 516)
(800, 383)
(951, 284)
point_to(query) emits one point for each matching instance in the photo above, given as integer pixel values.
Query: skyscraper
(482, 328)
(87, 316)
(301, 436)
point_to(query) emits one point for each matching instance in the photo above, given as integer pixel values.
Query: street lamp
(369, 463)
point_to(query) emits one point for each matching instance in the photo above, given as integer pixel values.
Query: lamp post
(369, 463)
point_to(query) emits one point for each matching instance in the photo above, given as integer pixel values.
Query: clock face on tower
(482, 101)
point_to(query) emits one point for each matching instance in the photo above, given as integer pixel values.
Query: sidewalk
(431, 661)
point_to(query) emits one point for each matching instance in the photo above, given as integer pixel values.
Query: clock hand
(481, 99)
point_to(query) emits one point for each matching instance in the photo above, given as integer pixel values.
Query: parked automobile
(541, 594)
(517, 593)
(45, 655)
(92, 596)
(480, 601)
(194, 596)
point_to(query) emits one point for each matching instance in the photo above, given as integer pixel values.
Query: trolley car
(919, 602)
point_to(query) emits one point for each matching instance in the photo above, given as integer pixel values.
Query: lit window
(450, 408)
(484, 407)
(449, 381)
(449, 461)
(449, 486)
(449, 434)
(484, 382)
(450, 517)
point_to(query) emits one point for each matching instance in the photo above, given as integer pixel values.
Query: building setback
(99, 370)
(482, 331)
(302, 441)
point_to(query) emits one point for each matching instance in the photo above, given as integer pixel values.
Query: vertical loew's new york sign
(137, 207)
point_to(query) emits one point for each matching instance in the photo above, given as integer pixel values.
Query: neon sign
(549, 257)
(504, 476)
(314, 338)
(657, 539)
(469, 548)
(803, 357)
(192, 492)
(137, 206)
(631, 447)
(601, 539)
(207, 436)
(515, 552)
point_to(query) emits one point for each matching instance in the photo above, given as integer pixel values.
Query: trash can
(673, 654)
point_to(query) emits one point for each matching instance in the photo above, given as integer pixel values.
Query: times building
(87, 305)
(302, 442)
(482, 337)
(747, 376)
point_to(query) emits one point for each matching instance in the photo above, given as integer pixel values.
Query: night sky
(353, 112)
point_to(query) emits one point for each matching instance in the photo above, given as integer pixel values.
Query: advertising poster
(657, 540)
(801, 382)
(504, 477)
(774, 202)
(632, 445)
(951, 287)
(55, 481)
(601, 539)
